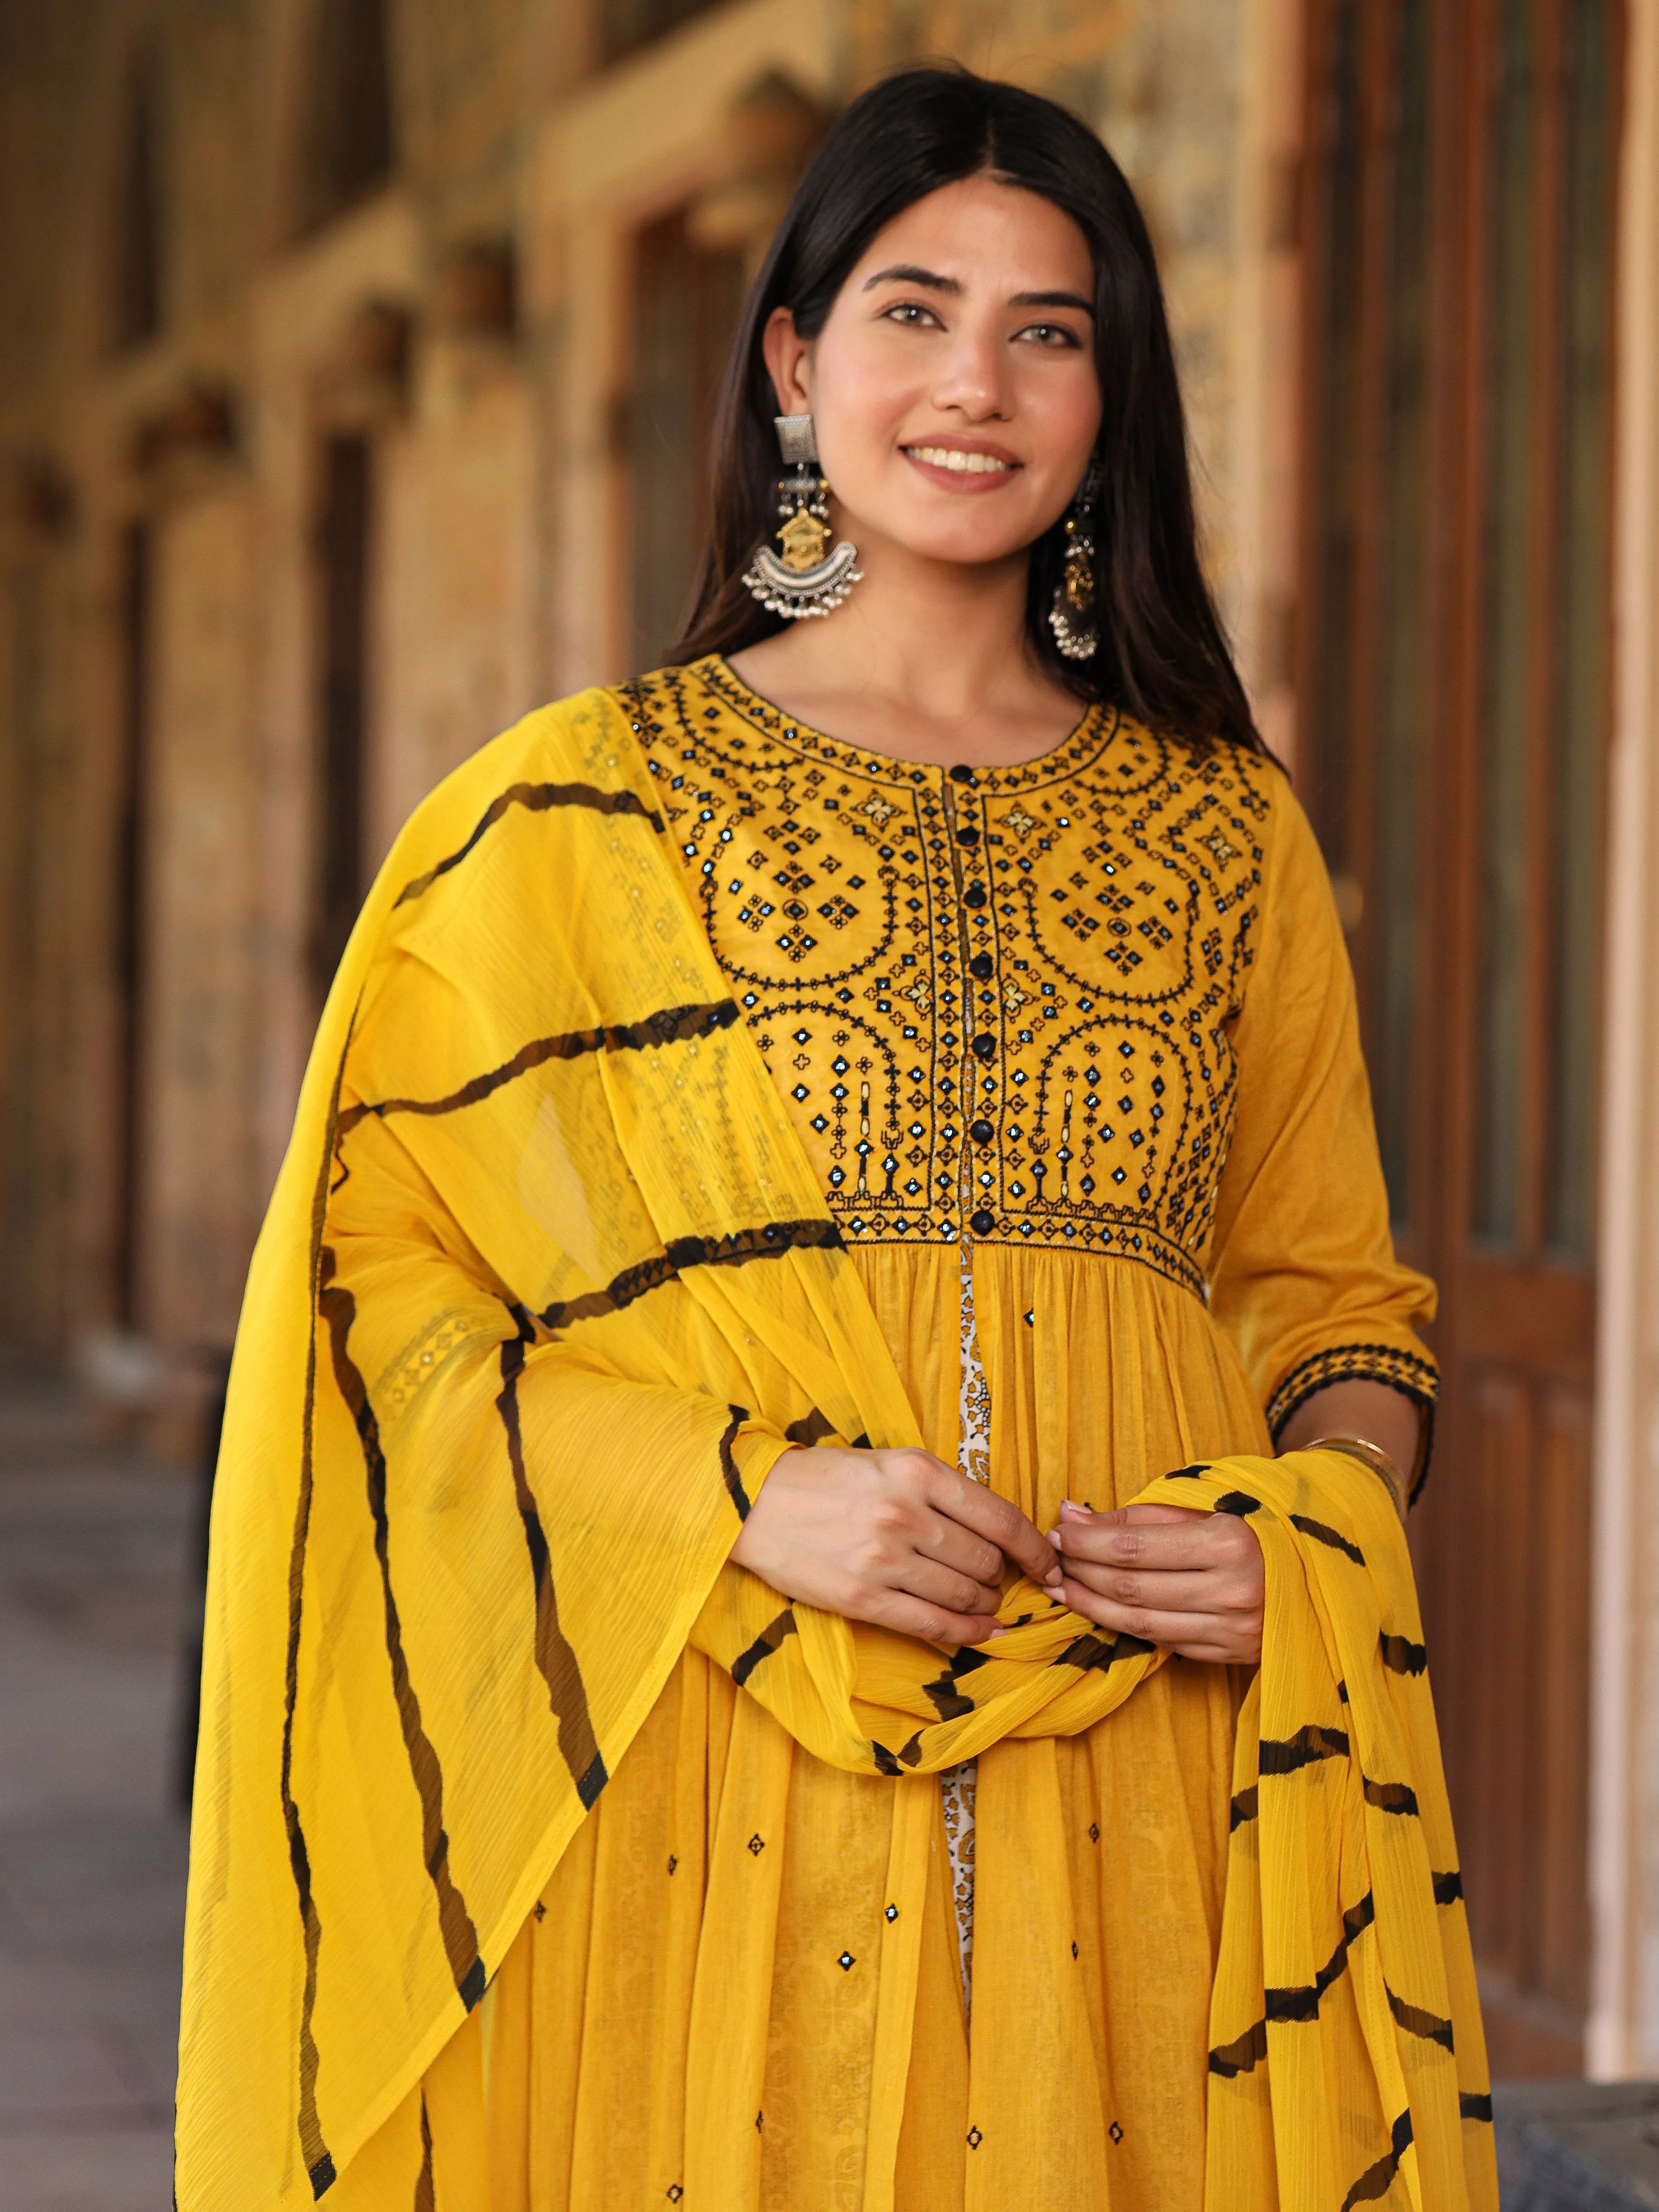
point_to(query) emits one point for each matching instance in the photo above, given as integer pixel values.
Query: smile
(948, 457)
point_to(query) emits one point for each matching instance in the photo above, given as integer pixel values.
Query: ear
(789, 358)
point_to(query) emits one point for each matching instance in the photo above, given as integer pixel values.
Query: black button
(983, 1223)
(981, 1132)
(967, 834)
(974, 895)
(962, 774)
(980, 966)
(984, 1045)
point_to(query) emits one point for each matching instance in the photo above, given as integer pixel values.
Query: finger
(1204, 1593)
(933, 1624)
(1215, 1631)
(935, 1584)
(1196, 1541)
(1131, 1517)
(954, 1545)
(1001, 1522)
(1238, 1653)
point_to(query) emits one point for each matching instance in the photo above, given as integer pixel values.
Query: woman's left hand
(1191, 1581)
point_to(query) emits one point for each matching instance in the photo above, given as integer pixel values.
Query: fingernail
(1072, 1506)
(998, 1630)
(1053, 1536)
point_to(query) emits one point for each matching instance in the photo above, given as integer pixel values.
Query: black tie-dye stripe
(1390, 1797)
(669, 1025)
(1376, 2180)
(1302, 2002)
(1321, 1534)
(1401, 1655)
(943, 1692)
(1241, 2056)
(771, 1636)
(339, 1309)
(771, 1240)
(1416, 2021)
(566, 1692)
(1307, 1746)
(536, 799)
(1098, 1653)
(728, 1471)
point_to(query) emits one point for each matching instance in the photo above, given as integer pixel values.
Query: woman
(799, 1144)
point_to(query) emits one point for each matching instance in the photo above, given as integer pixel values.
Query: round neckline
(1084, 739)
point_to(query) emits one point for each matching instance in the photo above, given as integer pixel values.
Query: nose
(973, 378)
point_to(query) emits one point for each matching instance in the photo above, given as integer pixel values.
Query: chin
(970, 549)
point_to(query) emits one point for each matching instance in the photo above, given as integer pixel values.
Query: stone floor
(96, 1568)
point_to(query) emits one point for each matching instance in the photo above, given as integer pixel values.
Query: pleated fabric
(545, 1289)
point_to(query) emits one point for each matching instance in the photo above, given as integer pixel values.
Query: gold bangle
(1382, 1464)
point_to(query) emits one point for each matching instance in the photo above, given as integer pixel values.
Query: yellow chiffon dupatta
(431, 1638)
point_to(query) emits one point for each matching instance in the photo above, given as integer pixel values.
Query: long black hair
(1163, 656)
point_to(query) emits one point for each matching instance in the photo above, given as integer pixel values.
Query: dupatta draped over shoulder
(540, 1175)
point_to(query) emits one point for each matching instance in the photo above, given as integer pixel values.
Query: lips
(959, 463)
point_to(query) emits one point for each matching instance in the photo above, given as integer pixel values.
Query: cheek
(862, 395)
(1064, 407)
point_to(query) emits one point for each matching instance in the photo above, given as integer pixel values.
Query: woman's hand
(897, 1538)
(1193, 1581)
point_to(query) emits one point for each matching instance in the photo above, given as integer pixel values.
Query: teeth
(948, 457)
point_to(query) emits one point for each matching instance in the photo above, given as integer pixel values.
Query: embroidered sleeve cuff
(1411, 1373)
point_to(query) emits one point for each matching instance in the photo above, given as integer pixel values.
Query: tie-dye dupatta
(541, 1185)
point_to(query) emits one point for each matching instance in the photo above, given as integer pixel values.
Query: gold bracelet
(1382, 1464)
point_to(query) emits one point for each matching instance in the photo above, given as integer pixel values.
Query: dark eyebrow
(1051, 299)
(905, 272)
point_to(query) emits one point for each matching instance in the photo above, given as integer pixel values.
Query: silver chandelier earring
(802, 579)
(1073, 610)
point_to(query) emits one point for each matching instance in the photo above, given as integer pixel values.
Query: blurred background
(357, 360)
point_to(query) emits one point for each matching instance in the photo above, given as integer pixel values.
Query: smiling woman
(972, 277)
(759, 1653)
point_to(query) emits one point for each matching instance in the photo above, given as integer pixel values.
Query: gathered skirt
(712, 1934)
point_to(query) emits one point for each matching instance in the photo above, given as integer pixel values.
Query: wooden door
(687, 299)
(1458, 210)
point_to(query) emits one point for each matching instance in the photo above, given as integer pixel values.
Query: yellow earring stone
(804, 538)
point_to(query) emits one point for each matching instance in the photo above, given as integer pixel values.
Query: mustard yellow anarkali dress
(686, 1070)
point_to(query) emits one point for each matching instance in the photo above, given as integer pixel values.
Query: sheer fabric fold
(545, 1289)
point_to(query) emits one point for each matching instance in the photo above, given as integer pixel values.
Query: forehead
(989, 236)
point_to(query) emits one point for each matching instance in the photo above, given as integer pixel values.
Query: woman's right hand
(896, 1538)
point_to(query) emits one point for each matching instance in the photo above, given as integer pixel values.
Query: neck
(927, 660)
(939, 637)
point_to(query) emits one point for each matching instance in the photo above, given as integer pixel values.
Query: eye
(1058, 336)
(913, 313)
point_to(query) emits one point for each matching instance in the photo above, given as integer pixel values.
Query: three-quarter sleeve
(1303, 1274)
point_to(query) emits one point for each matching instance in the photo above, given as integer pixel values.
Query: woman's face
(954, 386)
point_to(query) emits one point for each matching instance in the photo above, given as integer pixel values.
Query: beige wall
(203, 925)
(499, 560)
